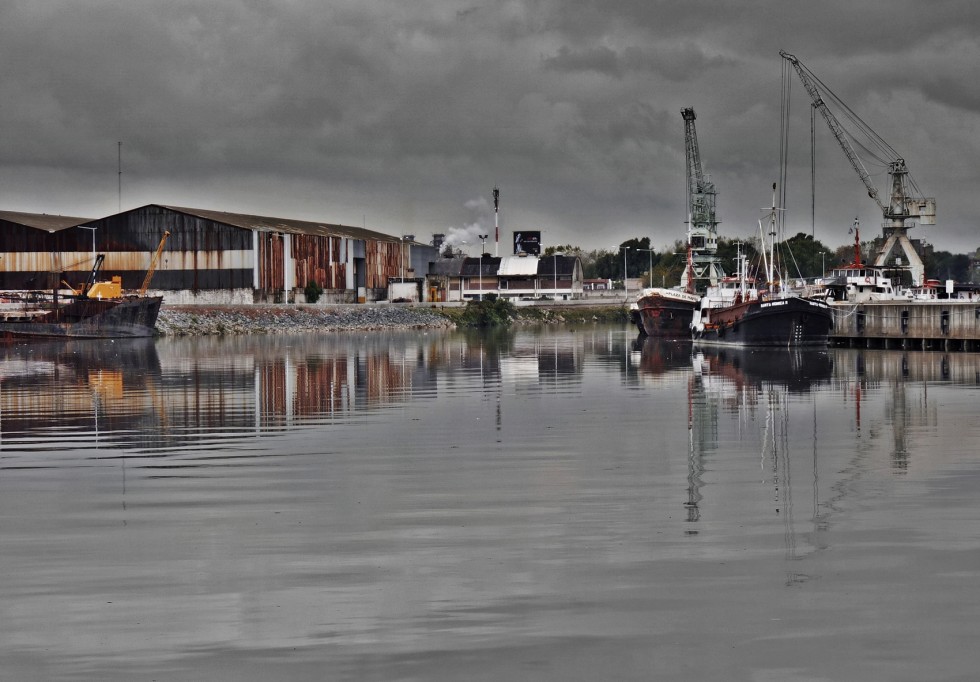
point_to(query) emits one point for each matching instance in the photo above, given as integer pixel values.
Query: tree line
(804, 257)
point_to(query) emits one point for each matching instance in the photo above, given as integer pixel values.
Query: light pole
(93, 237)
(555, 267)
(823, 267)
(650, 253)
(483, 247)
(626, 288)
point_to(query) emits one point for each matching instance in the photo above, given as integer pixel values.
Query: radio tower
(496, 224)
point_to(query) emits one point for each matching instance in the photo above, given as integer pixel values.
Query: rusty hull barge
(81, 318)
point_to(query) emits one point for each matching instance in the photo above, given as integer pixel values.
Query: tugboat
(737, 312)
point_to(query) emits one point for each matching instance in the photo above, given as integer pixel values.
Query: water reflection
(87, 389)
(211, 391)
(422, 505)
(146, 394)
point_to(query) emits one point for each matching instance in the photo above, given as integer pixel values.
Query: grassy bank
(473, 315)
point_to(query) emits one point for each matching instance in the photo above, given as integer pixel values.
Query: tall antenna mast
(496, 223)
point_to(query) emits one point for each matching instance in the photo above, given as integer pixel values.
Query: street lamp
(650, 253)
(483, 247)
(554, 257)
(626, 288)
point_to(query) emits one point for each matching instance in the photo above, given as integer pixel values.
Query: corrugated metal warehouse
(26, 259)
(209, 257)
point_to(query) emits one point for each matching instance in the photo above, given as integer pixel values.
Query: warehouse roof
(271, 224)
(511, 266)
(487, 266)
(42, 221)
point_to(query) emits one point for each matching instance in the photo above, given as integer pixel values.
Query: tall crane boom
(702, 228)
(701, 194)
(153, 264)
(901, 205)
(695, 175)
(835, 127)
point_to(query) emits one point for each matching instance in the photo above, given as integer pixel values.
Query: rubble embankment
(197, 320)
(212, 320)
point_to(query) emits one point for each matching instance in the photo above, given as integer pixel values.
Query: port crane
(153, 264)
(902, 207)
(702, 223)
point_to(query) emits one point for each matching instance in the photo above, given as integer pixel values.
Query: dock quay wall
(915, 325)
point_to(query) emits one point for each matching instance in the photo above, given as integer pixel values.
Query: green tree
(728, 250)
(804, 256)
(943, 265)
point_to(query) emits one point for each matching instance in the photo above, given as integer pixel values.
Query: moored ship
(764, 320)
(37, 315)
(666, 313)
(736, 312)
(663, 312)
(95, 310)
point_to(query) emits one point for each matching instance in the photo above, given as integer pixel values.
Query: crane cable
(885, 154)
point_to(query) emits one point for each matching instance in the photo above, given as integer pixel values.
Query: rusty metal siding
(383, 261)
(271, 273)
(320, 259)
(201, 253)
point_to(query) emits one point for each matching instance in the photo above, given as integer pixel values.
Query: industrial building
(26, 259)
(515, 277)
(211, 256)
(218, 257)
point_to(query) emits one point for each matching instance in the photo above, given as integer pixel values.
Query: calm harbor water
(560, 504)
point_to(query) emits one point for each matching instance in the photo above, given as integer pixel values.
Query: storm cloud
(397, 115)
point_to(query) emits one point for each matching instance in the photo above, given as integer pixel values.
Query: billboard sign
(527, 242)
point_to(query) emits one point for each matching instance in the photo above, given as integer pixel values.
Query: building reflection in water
(171, 392)
(161, 394)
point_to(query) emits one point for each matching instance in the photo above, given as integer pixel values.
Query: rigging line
(852, 115)
(786, 86)
(813, 172)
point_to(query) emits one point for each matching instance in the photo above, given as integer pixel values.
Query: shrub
(312, 291)
(490, 312)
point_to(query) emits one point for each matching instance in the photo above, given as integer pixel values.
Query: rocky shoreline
(216, 320)
(193, 320)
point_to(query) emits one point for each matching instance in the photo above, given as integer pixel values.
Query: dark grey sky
(403, 115)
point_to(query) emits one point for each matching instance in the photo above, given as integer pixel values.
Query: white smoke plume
(468, 235)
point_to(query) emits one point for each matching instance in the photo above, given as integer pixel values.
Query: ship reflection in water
(449, 505)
